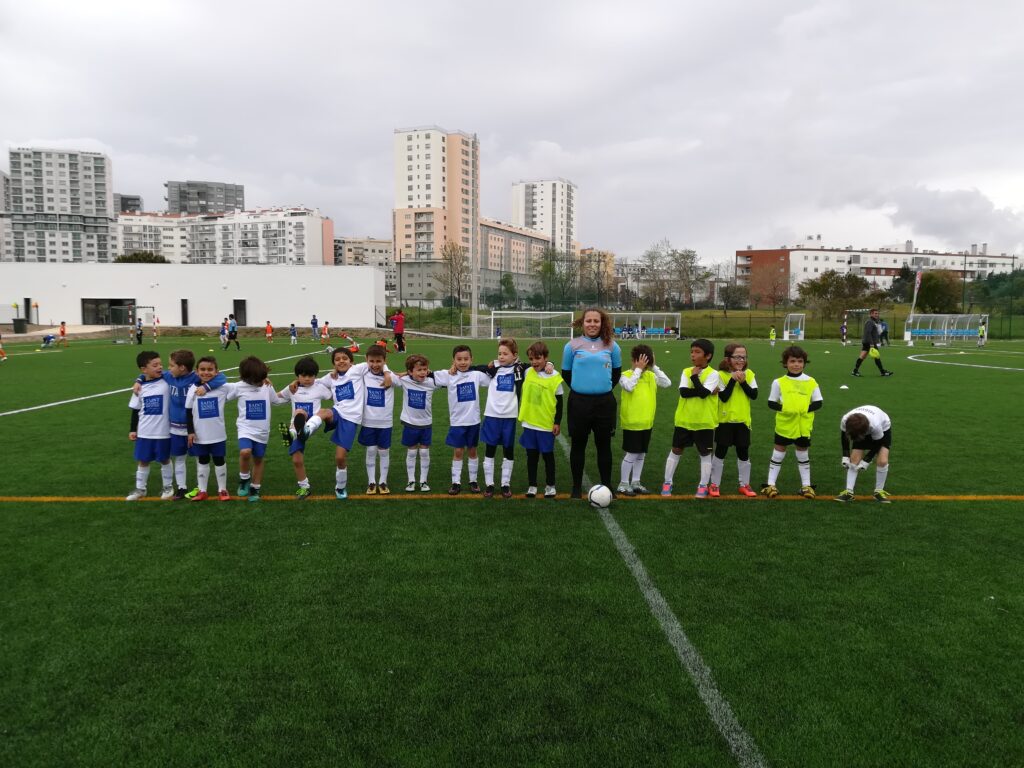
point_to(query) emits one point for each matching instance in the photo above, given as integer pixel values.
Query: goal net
(531, 325)
(943, 330)
(643, 325)
(794, 327)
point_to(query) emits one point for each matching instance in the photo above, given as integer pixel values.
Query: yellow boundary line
(498, 500)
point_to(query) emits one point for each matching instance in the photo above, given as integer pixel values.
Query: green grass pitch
(429, 631)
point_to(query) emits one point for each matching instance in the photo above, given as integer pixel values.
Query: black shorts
(636, 440)
(732, 434)
(232, 335)
(596, 413)
(702, 439)
(867, 444)
(799, 442)
(865, 346)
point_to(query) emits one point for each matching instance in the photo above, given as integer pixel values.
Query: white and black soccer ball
(600, 496)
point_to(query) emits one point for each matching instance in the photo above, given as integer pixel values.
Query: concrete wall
(343, 296)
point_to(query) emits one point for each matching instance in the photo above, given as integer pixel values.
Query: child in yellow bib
(540, 411)
(637, 406)
(736, 391)
(794, 397)
(696, 415)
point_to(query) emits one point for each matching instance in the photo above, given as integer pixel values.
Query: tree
(453, 272)
(654, 266)
(141, 257)
(734, 296)
(508, 294)
(685, 273)
(566, 278)
(941, 291)
(902, 288)
(832, 292)
(545, 266)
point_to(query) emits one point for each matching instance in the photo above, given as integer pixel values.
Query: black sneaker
(286, 436)
(856, 373)
(474, 487)
(455, 490)
(506, 492)
(179, 494)
(299, 422)
(887, 373)
(489, 492)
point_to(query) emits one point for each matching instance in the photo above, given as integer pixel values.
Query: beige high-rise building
(548, 206)
(437, 201)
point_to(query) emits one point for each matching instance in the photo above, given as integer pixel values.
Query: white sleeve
(396, 380)
(230, 391)
(628, 383)
(775, 396)
(442, 378)
(712, 382)
(286, 393)
(134, 403)
(660, 377)
(190, 398)
(276, 399)
(816, 395)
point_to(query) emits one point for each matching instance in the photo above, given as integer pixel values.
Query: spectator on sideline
(397, 322)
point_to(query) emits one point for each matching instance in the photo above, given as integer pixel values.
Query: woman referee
(591, 366)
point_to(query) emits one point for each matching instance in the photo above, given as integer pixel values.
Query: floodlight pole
(963, 298)
(1013, 266)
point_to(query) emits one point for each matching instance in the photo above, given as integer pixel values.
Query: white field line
(740, 742)
(920, 358)
(119, 391)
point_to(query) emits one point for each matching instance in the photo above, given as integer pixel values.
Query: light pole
(1013, 266)
(963, 298)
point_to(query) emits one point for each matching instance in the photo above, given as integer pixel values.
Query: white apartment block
(548, 206)
(61, 206)
(296, 236)
(368, 252)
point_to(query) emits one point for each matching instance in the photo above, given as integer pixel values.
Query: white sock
(167, 474)
(803, 463)
(202, 476)
(222, 476)
(141, 476)
(456, 471)
(851, 479)
(410, 465)
(424, 464)
(881, 473)
(304, 482)
(472, 466)
(717, 467)
(371, 464)
(638, 466)
(670, 466)
(775, 466)
(705, 469)
(743, 471)
(313, 424)
(627, 469)
(385, 463)
(488, 471)
(340, 478)
(506, 471)
(180, 476)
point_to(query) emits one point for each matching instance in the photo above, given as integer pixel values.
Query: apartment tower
(550, 207)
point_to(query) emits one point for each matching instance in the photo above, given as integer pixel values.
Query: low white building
(198, 295)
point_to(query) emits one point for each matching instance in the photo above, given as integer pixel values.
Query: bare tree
(654, 266)
(453, 271)
(686, 273)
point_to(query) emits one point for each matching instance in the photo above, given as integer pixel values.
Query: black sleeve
(616, 375)
(699, 389)
(870, 455)
(749, 390)
(845, 442)
(726, 393)
(190, 419)
(489, 370)
(135, 420)
(774, 405)
(558, 409)
(567, 378)
(815, 406)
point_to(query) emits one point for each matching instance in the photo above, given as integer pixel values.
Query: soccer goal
(531, 325)
(644, 325)
(943, 330)
(794, 327)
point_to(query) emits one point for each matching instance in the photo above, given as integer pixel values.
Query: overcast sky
(716, 124)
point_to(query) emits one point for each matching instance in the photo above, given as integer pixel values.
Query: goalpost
(531, 325)
(943, 330)
(794, 327)
(643, 325)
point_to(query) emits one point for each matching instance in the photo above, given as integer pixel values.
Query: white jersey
(379, 406)
(307, 399)
(559, 391)
(502, 398)
(463, 400)
(348, 391)
(153, 404)
(254, 409)
(878, 420)
(417, 410)
(208, 414)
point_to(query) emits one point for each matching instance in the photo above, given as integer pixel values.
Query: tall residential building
(506, 249)
(5, 192)
(61, 206)
(128, 203)
(204, 197)
(437, 201)
(369, 252)
(550, 207)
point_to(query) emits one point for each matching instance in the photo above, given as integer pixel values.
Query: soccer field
(419, 629)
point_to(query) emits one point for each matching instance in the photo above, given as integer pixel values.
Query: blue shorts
(535, 440)
(179, 445)
(463, 437)
(297, 446)
(379, 437)
(498, 432)
(412, 435)
(149, 449)
(343, 433)
(258, 449)
(209, 449)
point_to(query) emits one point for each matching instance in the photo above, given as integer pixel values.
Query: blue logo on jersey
(256, 410)
(344, 392)
(506, 382)
(153, 405)
(307, 407)
(417, 399)
(209, 408)
(375, 397)
(466, 392)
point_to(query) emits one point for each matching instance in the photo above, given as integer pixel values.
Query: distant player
(982, 334)
(843, 331)
(293, 335)
(795, 397)
(3, 355)
(232, 333)
(138, 331)
(325, 334)
(870, 342)
(150, 428)
(397, 322)
(50, 340)
(771, 336)
(314, 324)
(63, 332)
(270, 333)
(865, 434)
(224, 334)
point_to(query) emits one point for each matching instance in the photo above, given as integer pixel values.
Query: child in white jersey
(255, 395)
(865, 433)
(417, 386)
(306, 395)
(378, 420)
(151, 426)
(541, 412)
(207, 435)
(463, 383)
(500, 414)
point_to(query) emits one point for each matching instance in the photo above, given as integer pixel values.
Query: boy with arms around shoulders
(540, 410)
(150, 428)
(207, 434)
(696, 416)
(463, 383)
(417, 387)
(306, 395)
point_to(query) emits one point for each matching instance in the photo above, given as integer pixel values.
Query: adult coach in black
(869, 341)
(591, 367)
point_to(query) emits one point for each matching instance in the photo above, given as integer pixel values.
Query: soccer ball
(600, 496)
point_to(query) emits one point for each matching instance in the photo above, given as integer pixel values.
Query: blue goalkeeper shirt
(590, 363)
